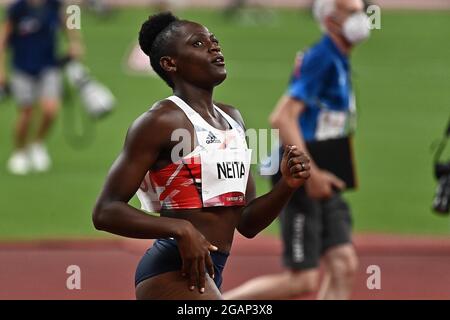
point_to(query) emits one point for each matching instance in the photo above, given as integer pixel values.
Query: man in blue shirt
(30, 31)
(317, 107)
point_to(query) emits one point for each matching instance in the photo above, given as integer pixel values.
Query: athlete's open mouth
(218, 60)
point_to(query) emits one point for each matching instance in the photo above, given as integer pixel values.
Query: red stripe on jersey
(176, 185)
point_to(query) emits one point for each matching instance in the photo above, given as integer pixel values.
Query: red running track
(411, 267)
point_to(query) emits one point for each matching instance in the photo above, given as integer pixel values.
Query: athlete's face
(198, 58)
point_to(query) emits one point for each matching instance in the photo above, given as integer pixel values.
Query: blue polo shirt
(34, 35)
(321, 80)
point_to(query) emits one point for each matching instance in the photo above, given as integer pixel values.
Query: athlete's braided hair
(154, 36)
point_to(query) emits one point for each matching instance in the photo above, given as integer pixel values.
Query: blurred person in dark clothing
(30, 31)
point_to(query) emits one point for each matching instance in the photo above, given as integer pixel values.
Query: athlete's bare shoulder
(156, 124)
(232, 112)
(166, 112)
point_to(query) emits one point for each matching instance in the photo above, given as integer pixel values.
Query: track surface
(411, 267)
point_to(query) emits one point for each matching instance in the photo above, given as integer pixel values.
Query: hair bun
(152, 27)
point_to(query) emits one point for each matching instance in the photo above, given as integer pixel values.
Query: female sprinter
(204, 195)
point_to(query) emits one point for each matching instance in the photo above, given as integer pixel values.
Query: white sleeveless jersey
(215, 173)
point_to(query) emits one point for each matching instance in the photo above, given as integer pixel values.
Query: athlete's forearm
(261, 212)
(122, 219)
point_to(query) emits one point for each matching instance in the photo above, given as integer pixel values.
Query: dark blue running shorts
(164, 257)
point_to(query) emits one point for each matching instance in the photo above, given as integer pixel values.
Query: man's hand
(294, 166)
(322, 183)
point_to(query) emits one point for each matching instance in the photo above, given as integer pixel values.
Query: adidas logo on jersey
(211, 138)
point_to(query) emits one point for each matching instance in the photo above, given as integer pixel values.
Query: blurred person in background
(233, 7)
(168, 5)
(318, 106)
(30, 32)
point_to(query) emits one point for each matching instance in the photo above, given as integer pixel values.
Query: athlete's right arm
(5, 31)
(112, 213)
(148, 135)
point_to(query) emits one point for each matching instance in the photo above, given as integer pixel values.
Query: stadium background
(401, 78)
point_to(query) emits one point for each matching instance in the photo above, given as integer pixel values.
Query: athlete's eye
(198, 43)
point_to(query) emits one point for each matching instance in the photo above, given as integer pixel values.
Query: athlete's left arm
(261, 211)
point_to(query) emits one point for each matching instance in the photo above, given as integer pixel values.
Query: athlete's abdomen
(216, 224)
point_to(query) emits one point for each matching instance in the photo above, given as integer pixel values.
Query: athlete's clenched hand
(294, 166)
